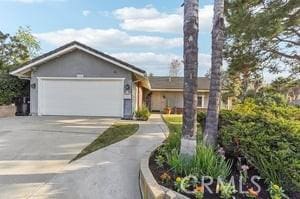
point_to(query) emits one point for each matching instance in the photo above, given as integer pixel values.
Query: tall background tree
(175, 68)
(25, 37)
(211, 125)
(190, 29)
(14, 51)
(289, 87)
(261, 35)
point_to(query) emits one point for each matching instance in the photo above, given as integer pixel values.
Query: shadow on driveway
(35, 149)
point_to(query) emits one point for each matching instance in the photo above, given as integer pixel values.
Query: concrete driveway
(108, 173)
(35, 149)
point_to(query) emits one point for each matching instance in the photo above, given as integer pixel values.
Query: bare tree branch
(288, 41)
(294, 56)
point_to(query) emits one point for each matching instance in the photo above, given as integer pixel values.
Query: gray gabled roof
(78, 45)
(175, 83)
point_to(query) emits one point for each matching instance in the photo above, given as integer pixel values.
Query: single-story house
(168, 92)
(78, 80)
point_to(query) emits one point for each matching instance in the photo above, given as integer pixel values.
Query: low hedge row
(268, 136)
(272, 146)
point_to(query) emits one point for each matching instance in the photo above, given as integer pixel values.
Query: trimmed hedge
(268, 135)
(272, 146)
(12, 87)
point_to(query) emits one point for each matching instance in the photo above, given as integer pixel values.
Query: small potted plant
(143, 114)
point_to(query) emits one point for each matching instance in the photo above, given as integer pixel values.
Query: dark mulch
(263, 194)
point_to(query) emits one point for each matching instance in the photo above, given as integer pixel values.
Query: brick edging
(7, 111)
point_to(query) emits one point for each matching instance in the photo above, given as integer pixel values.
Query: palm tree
(212, 119)
(190, 29)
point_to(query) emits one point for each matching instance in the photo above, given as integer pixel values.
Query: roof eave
(181, 90)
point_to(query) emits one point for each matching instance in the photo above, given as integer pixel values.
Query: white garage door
(80, 97)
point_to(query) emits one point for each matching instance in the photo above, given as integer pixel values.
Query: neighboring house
(78, 80)
(168, 92)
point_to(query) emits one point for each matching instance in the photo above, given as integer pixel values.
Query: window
(200, 101)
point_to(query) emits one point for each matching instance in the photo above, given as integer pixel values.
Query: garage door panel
(82, 97)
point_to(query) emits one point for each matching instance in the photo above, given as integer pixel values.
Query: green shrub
(160, 160)
(269, 109)
(227, 190)
(271, 144)
(265, 131)
(208, 163)
(182, 165)
(143, 114)
(174, 124)
(269, 98)
(205, 163)
(173, 140)
(225, 117)
(201, 116)
(12, 87)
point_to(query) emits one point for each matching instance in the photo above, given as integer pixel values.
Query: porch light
(127, 88)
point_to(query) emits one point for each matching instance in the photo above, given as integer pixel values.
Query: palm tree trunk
(189, 128)
(212, 119)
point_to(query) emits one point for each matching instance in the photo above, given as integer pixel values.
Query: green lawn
(173, 118)
(115, 133)
(174, 122)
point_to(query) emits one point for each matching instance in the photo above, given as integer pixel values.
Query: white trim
(181, 90)
(40, 88)
(39, 102)
(75, 46)
(122, 98)
(202, 102)
(81, 78)
(170, 90)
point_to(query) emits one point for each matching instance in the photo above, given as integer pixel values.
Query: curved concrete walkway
(111, 172)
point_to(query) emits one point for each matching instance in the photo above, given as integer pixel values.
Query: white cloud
(149, 19)
(86, 12)
(110, 40)
(205, 18)
(147, 12)
(204, 61)
(147, 58)
(151, 62)
(35, 1)
(158, 64)
(107, 38)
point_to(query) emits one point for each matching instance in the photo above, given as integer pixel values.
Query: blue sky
(143, 32)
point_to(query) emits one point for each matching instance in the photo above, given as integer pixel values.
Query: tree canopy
(14, 51)
(17, 49)
(261, 35)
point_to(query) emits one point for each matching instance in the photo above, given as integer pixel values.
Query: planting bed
(158, 171)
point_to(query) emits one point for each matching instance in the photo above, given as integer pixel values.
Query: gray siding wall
(77, 63)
